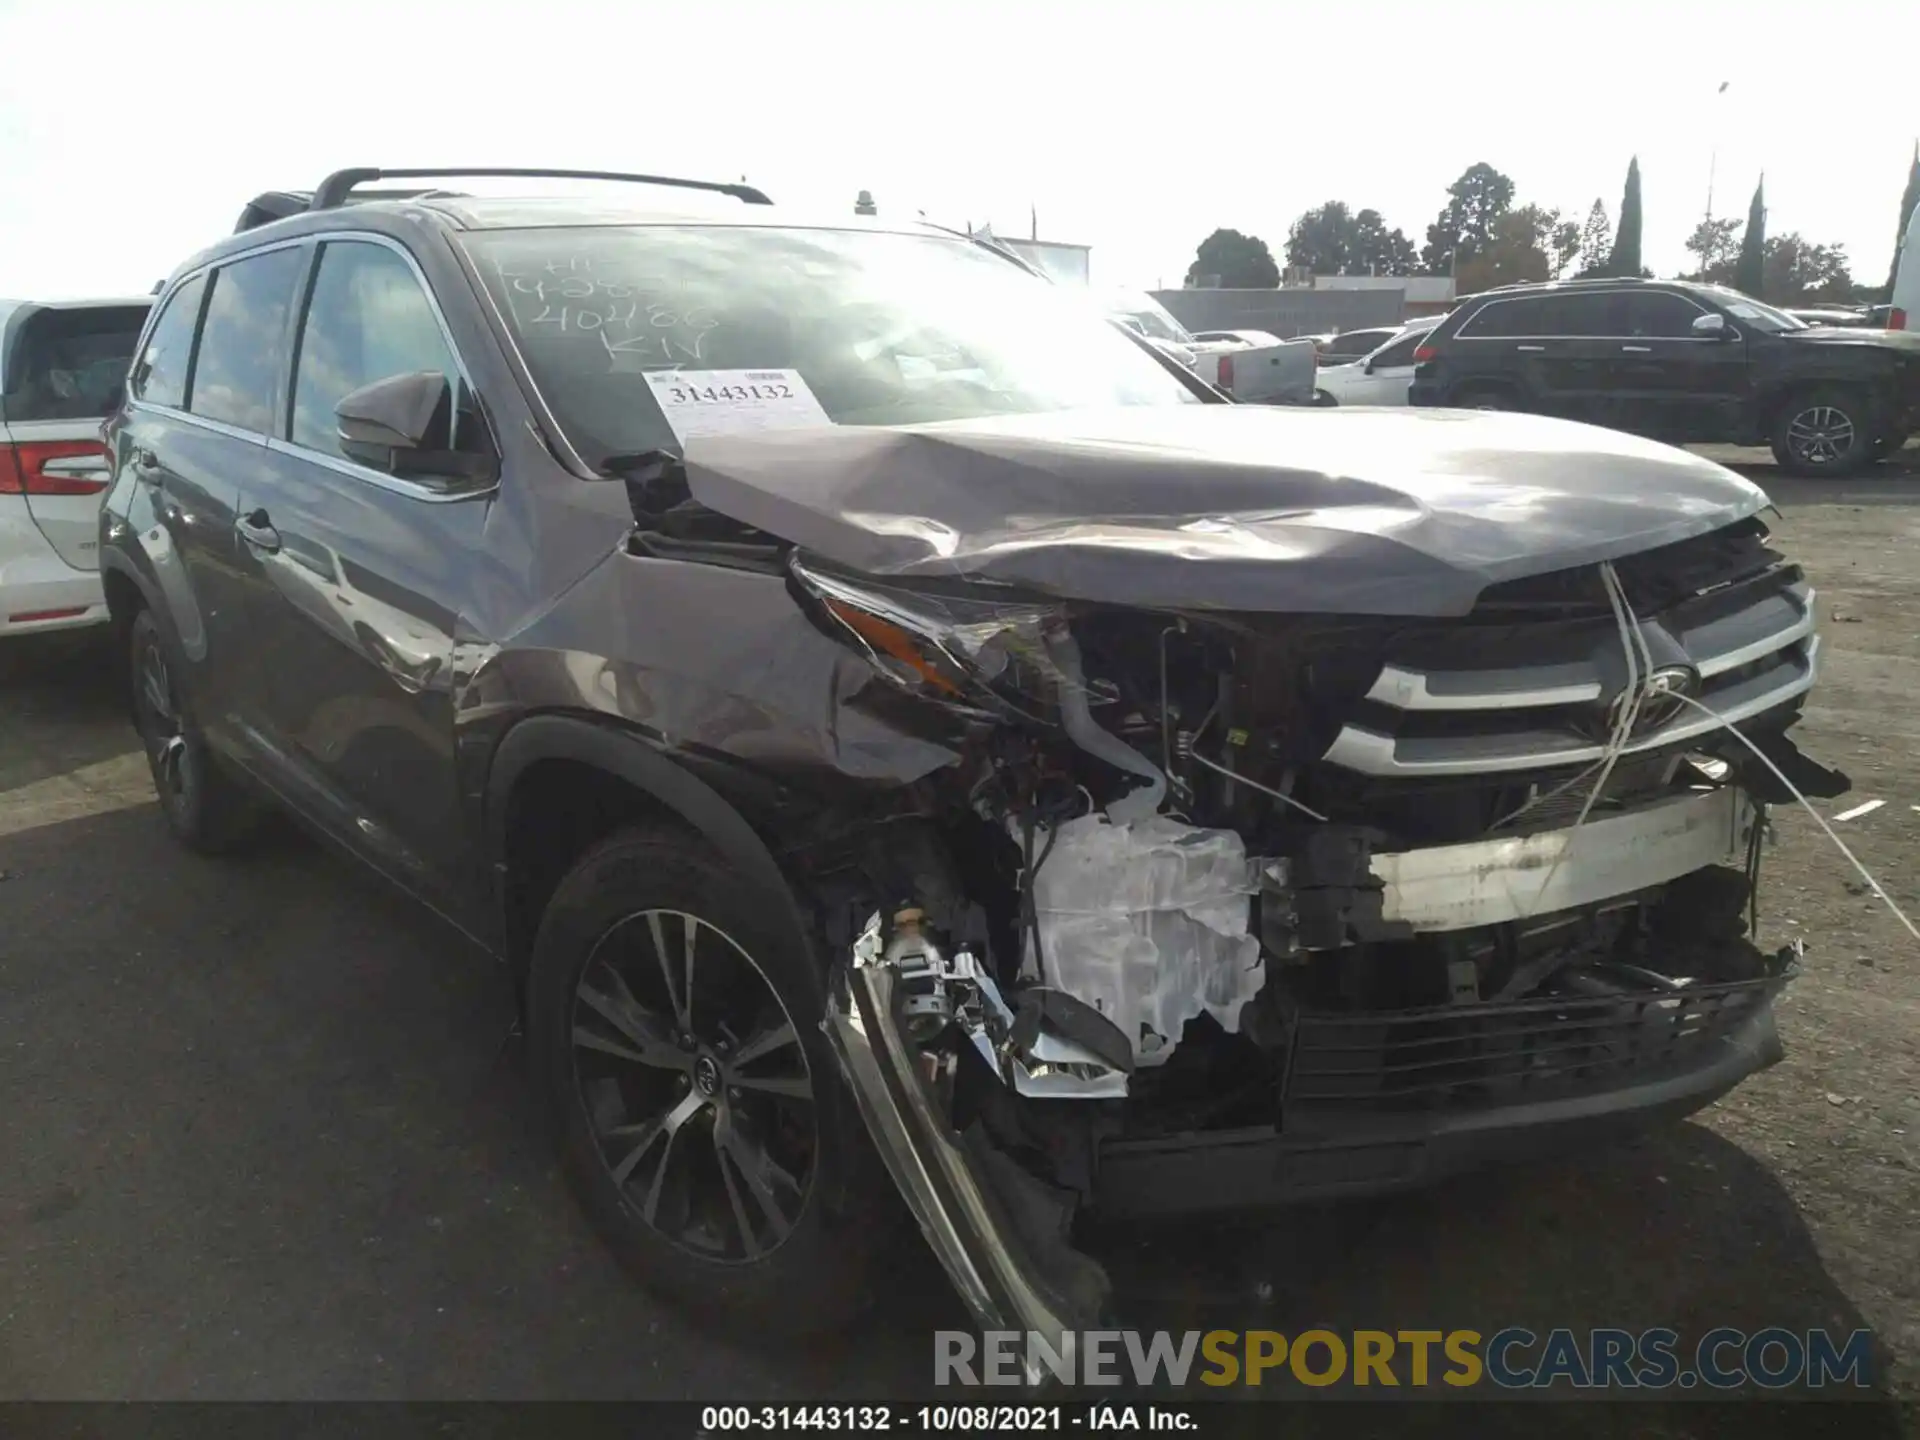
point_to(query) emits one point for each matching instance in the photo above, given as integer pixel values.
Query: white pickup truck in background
(1249, 365)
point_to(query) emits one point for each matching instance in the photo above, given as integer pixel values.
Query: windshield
(1761, 317)
(753, 327)
(1150, 318)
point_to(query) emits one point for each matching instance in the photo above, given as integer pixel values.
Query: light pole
(1713, 157)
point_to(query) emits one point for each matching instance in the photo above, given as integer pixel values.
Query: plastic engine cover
(1148, 923)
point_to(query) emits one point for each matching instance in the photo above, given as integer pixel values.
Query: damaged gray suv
(902, 735)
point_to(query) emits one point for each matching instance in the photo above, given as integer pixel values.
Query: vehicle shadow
(270, 1097)
(62, 705)
(1677, 1228)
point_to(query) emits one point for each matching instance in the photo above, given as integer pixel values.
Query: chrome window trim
(1465, 331)
(200, 422)
(397, 484)
(547, 422)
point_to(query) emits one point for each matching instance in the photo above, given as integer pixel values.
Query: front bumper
(1369, 1101)
(1351, 1129)
(965, 1221)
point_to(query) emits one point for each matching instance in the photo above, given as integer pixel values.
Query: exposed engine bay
(1219, 909)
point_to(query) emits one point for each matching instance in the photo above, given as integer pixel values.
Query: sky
(1136, 127)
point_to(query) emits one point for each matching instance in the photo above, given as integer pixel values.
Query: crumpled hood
(1239, 507)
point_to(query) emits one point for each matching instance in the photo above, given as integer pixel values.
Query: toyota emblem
(1664, 697)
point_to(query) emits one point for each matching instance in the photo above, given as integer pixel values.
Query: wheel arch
(1790, 390)
(127, 590)
(653, 785)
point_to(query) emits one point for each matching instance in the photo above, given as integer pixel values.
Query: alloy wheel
(695, 1085)
(164, 729)
(1820, 435)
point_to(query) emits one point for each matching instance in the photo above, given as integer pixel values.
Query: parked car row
(907, 739)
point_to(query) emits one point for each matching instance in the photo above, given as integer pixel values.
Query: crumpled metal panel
(1227, 507)
(710, 659)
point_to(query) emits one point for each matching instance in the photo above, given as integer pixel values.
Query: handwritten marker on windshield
(1857, 811)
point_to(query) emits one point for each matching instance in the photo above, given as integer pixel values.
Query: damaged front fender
(986, 1220)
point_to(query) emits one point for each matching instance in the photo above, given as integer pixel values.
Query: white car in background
(1382, 378)
(1249, 365)
(62, 366)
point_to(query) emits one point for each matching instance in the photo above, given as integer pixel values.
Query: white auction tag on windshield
(734, 402)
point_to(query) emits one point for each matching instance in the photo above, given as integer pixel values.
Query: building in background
(1419, 294)
(1315, 305)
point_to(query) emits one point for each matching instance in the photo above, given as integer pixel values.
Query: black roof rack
(335, 189)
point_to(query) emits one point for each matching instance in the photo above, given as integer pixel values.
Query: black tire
(1486, 397)
(205, 807)
(1824, 431)
(698, 1249)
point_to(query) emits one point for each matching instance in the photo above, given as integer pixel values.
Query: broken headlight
(951, 647)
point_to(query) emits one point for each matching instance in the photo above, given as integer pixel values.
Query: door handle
(1530, 349)
(258, 532)
(1636, 349)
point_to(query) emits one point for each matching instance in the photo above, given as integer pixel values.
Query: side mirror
(1712, 326)
(1369, 366)
(403, 424)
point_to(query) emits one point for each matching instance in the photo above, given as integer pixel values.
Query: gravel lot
(264, 1137)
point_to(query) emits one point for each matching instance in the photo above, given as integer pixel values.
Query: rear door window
(1503, 319)
(1585, 315)
(243, 340)
(160, 377)
(70, 363)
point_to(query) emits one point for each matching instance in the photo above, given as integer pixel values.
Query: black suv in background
(1688, 364)
(790, 647)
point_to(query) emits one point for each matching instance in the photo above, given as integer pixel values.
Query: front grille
(1439, 709)
(1472, 1057)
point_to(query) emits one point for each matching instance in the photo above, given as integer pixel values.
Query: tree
(1528, 244)
(1909, 199)
(1596, 238)
(1714, 243)
(1332, 240)
(1793, 271)
(1378, 250)
(1625, 259)
(1798, 272)
(1464, 227)
(1321, 241)
(1234, 262)
(1750, 271)
(1565, 244)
